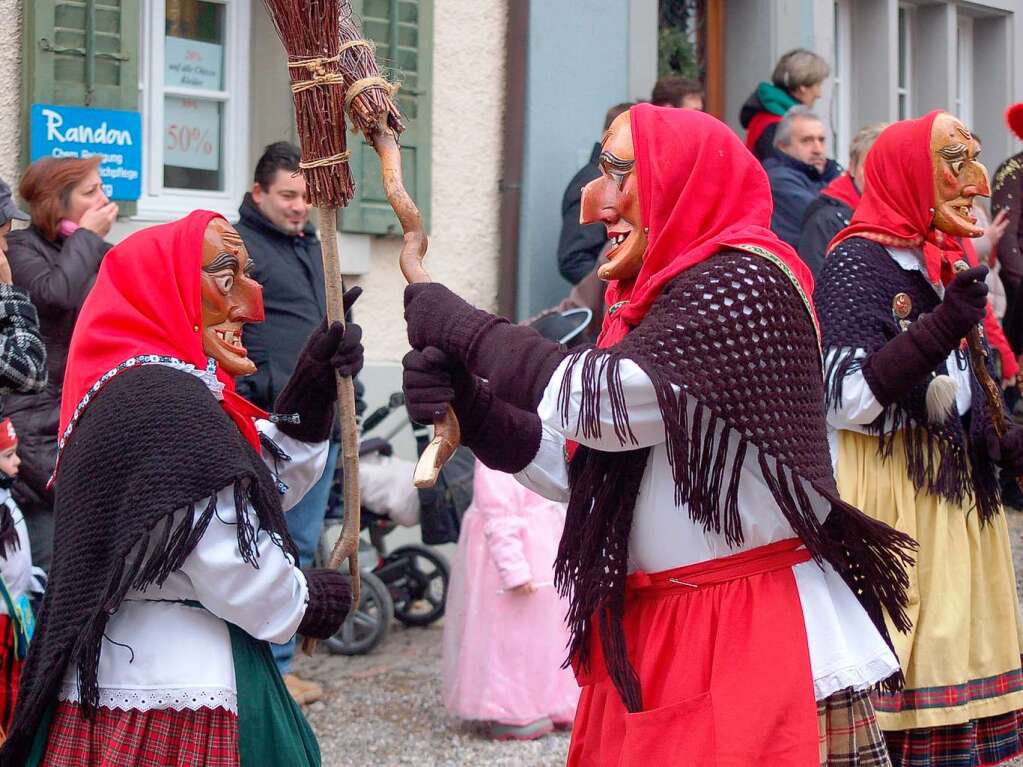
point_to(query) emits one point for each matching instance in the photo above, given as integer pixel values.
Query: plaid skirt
(978, 743)
(849, 733)
(114, 738)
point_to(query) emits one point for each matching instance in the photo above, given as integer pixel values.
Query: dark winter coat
(290, 269)
(794, 185)
(57, 276)
(825, 218)
(579, 244)
(771, 102)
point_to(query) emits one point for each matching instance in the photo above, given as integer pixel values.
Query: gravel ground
(384, 709)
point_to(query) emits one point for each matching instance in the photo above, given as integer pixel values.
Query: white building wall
(10, 94)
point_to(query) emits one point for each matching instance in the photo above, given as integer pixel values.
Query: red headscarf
(147, 300)
(897, 207)
(700, 192)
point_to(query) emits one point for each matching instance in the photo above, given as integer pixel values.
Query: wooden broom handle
(447, 434)
(347, 546)
(992, 393)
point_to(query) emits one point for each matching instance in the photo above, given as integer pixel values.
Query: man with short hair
(799, 170)
(831, 212)
(679, 92)
(287, 262)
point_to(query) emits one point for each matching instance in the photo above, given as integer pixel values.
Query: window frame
(904, 60)
(159, 203)
(841, 96)
(964, 68)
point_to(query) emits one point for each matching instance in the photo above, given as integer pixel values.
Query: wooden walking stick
(992, 393)
(369, 99)
(311, 36)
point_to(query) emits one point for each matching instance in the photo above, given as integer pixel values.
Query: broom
(311, 36)
(369, 100)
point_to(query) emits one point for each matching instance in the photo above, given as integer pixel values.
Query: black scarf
(153, 441)
(854, 297)
(733, 336)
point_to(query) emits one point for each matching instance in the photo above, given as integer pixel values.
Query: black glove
(503, 437)
(330, 599)
(908, 359)
(312, 391)
(1007, 452)
(515, 360)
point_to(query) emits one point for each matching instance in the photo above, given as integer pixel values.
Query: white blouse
(845, 647)
(159, 653)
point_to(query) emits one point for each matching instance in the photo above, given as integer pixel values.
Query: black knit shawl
(854, 300)
(153, 441)
(734, 337)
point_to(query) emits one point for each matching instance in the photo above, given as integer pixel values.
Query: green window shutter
(403, 33)
(81, 53)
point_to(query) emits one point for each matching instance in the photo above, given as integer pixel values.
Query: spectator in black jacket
(580, 244)
(55, 261)
(287, 262)
(832, 210)
(798, 171)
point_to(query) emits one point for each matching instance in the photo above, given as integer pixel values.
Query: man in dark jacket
(580, 244)
(799, 170)
(287, 262)
(831, 212)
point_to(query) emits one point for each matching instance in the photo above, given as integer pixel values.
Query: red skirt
(721, 652)
(207, 737)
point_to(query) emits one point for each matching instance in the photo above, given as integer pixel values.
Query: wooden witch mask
(958, 177)
(230, 298)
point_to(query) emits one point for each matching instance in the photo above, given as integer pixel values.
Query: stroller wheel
(420, 590)
(368, 623)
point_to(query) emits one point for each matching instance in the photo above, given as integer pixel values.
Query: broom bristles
(373, 104)
(312, 43)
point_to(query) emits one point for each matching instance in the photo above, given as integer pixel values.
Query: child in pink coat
(504, 632)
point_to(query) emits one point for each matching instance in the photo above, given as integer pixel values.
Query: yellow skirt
(962, 656)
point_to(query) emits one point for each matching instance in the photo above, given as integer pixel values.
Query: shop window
(402, 31)
(81, 53)
(195, 105)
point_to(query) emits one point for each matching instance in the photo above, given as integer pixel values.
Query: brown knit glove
(503, 437)
(311, 392)
(516, 361)
(330, 599)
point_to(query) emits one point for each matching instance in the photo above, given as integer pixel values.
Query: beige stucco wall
(10, 94)
(468, 85)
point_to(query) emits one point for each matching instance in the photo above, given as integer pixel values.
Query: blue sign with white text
(114, 135)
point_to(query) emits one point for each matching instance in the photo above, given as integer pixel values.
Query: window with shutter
(81, 53)
(403, 33)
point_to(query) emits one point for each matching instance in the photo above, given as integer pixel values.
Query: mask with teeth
(612, 199)
(230, 298)
(958, 177)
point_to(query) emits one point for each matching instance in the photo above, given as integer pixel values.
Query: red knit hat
(8, 437)
(1014, 117)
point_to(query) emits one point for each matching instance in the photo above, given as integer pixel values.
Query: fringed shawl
(734, 337)
(854, 297)
(154, 441)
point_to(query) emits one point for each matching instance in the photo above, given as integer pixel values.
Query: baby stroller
(410, 582)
